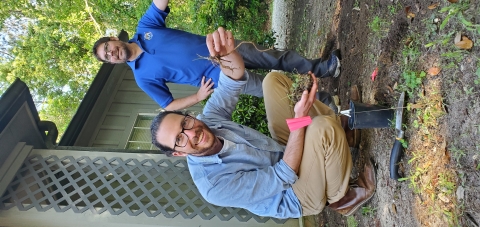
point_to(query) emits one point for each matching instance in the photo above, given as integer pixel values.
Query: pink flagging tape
(296, 123)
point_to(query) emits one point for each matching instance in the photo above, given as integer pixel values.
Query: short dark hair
(95, 46)
(154, 130)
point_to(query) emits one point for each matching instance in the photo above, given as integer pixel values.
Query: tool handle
(395, 159)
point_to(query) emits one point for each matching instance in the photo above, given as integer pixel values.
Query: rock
(460, 193)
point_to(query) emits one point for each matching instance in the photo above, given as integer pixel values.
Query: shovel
(397, 145)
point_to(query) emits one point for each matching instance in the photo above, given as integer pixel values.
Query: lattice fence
(114, 185)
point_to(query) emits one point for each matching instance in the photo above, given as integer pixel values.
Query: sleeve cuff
(286, 173)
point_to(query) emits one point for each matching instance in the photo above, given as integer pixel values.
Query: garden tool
(397, 146)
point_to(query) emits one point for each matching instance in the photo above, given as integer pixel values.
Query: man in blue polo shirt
(160, 55)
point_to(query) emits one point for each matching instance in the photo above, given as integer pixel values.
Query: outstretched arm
(161, 4)
(185, 102)
(221, 46)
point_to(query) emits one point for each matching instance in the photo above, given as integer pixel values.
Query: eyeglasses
(107, 57)
(182, 138)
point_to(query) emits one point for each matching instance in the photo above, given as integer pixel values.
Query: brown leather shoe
(355, 94)
(352, 135)
(355, 133)
(348, 132)
(359, 193)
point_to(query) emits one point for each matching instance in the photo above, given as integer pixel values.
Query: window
(140, 137)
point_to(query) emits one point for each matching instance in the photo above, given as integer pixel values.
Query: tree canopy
(47, 44)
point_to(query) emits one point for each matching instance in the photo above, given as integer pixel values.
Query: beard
(210, 148)
(128, 52)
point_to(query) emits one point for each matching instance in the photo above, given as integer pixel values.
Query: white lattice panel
(151, 187)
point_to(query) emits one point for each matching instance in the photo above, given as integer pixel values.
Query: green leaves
(250, 111)
(413, 80)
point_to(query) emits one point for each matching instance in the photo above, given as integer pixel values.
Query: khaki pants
(326, 162)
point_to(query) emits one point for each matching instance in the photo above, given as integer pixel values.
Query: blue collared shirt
(249, 171)
(170, 56)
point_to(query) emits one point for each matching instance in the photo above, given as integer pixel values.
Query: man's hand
(220, 44)
(303, 106)
(205, 89)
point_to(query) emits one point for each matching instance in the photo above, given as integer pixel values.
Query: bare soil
(449, 145)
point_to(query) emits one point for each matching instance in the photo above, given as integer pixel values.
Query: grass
(368, 211)
(379, 26)
(351, 221)
(392, 9)
(428, 176)
(356, 5)
(477, 73)
(457, 155)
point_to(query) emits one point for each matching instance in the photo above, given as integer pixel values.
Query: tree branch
(93, 19)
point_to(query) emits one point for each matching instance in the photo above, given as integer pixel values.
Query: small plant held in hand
(301, 83)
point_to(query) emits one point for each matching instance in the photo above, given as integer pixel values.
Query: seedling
(413, 80)
(379, 26)
(368, 211)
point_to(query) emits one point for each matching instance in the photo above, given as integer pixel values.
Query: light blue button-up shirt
(249, 171)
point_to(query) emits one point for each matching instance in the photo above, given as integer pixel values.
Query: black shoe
(327, 99)
(333, 65)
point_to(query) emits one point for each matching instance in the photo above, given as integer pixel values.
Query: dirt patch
(378, 34)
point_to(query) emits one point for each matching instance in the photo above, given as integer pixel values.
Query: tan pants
(326, 162)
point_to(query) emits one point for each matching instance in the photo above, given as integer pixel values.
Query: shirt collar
(212, 159)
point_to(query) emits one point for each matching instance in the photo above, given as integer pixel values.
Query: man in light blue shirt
(294, 173)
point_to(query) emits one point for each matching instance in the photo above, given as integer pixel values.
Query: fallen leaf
(444, 198)
(408, 13)
(434, 5)
(447, 155)
(465, 44)
(395, 86)
(389, 89)
(374, 74)
(426, 165)
(453, 1)
(407, 10)
(394, 208)
(408, 41)
(416, 106)
(429, 191)
(434, 71)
